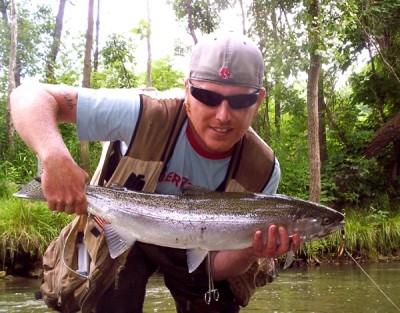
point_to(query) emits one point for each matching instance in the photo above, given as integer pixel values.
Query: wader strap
(155, 135)
(250, 155)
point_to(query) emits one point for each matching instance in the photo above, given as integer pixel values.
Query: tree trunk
(55, 47)
(243, 15)
(96, 51)
(386, 134)
(189, 11)
(312, 104)
(266, 121)
(323, 149)
(87, 67)
(395, 165)
(277, 73)
(11, 72)
(3, 9)
(87, 64)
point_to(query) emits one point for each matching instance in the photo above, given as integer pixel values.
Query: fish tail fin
(115, 242)
(32, 190)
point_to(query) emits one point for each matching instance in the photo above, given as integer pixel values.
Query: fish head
(317, 221)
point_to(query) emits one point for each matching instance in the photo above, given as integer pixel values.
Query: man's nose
(223, 111)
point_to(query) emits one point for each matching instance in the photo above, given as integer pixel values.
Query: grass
(27, 227)
(368, 235)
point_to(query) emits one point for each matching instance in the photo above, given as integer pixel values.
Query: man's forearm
(228, 264)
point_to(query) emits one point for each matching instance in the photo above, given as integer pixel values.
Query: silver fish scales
(199, 220)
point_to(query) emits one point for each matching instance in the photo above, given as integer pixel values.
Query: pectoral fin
(117, 243)
(289, 259)
(195, 257)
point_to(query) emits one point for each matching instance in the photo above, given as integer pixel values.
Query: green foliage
(18, 165)
(34, 34)
(164, 75)
(117, 64)
(373, 233)
(180, 48)
(290, 144)
(69, 134)
(376, 89)
(294, 165)
(326, 248)
(204, 14)
(143, 29)
(69, 65)
(368, 234)
(352, 179)
(27, 227)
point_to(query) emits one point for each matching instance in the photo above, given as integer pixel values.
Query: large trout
(200, 221)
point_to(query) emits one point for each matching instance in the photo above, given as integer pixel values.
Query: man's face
(218, 128)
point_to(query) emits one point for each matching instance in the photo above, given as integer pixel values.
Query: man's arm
(36, 110)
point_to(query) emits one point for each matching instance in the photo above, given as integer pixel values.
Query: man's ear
(261, 97)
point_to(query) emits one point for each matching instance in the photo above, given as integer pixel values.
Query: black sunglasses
(213, 99)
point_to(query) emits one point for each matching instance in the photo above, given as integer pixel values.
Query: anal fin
(195, 257)
(115, 242)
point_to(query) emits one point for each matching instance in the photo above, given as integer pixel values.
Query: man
(212, 147)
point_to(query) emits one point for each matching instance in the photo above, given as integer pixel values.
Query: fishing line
(370, 278)
(342, 249)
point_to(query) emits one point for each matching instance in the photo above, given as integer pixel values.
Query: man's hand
(63, 184)
(278, 243)
(231, 263)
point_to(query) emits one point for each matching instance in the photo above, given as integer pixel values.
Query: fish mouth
(334, 229)
(328, 231)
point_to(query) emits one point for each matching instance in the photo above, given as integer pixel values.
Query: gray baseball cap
(227, 59)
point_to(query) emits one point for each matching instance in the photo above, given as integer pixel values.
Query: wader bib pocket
(63, 288)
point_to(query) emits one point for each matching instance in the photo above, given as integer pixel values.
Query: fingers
(258, 245)
(279, 238)
(274, 241)
(296, 242)
(64, 188)
(78, 207)
(69, 200)
(278, 242)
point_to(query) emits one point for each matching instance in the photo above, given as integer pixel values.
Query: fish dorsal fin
(195, 257)
(116, 243)
(195, 190)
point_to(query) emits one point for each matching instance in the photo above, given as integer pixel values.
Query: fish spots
(202, 231)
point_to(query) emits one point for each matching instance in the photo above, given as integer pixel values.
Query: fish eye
(326, 221)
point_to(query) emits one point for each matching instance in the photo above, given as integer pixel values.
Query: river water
(342, 288)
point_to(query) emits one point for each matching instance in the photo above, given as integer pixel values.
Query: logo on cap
(224, 72)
